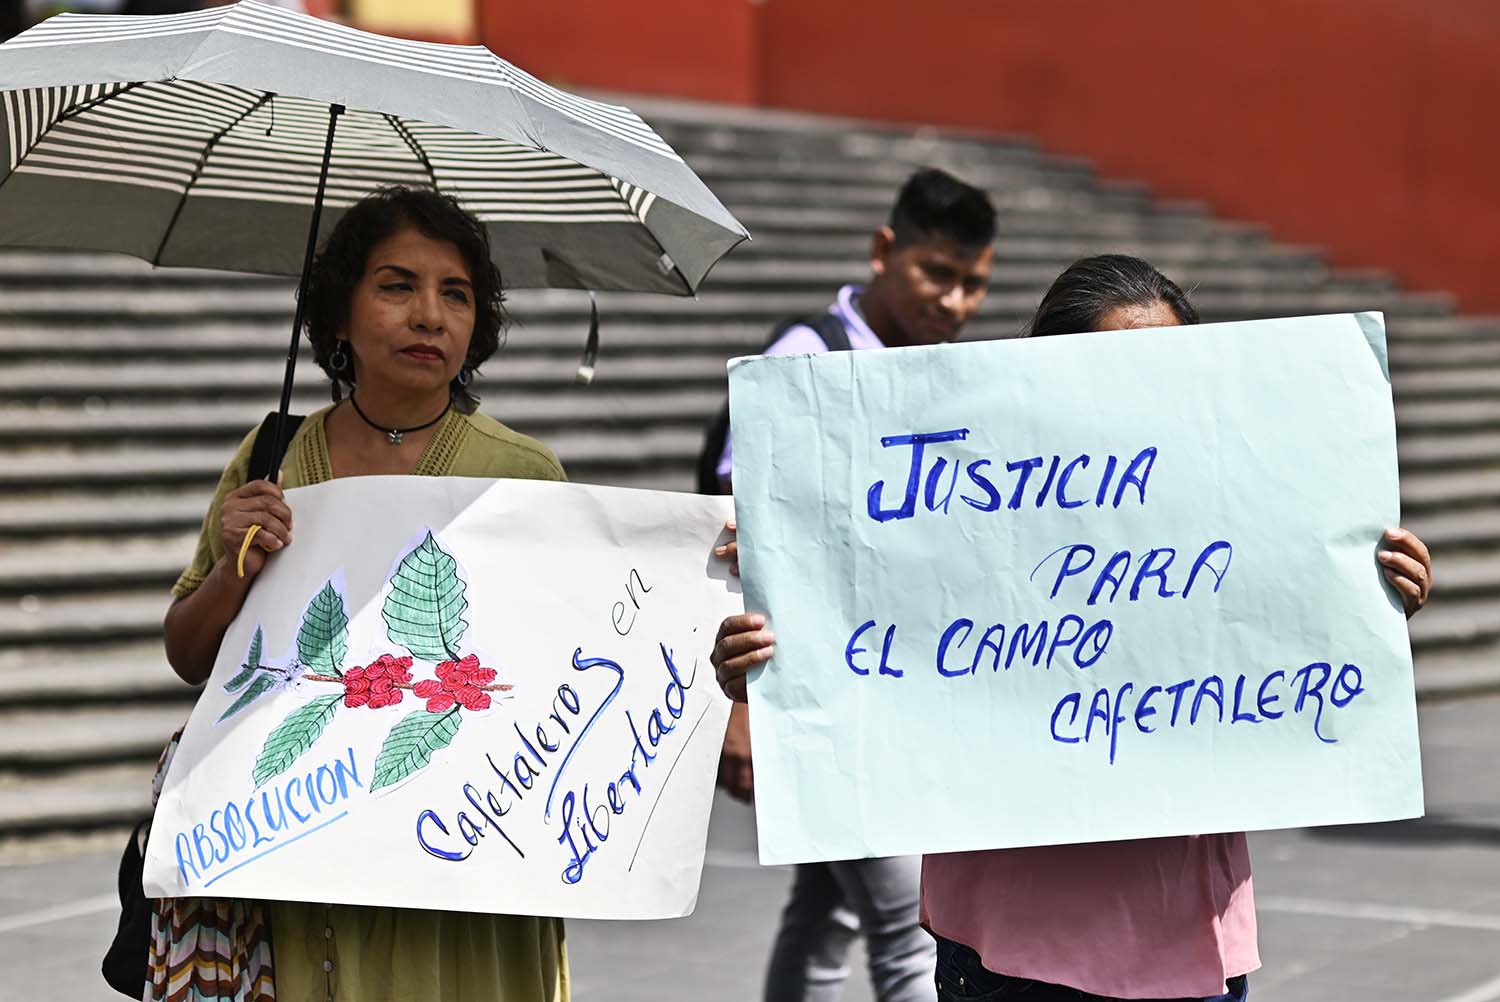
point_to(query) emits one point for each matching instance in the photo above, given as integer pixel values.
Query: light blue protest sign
(1074, 589)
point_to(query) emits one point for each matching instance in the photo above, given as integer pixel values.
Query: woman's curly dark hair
(341, 263)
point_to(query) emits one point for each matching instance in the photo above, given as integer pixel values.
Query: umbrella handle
(277, 445)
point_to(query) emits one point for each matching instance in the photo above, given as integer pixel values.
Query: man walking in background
(929, 271)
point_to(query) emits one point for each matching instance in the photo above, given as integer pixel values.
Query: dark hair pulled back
(341, 263)
(1092, 286)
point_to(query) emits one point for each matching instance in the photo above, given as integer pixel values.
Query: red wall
(704, 49)
(1365, 126)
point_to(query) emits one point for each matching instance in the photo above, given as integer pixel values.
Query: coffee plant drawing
(424, 615)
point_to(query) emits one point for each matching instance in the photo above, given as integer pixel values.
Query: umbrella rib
(89, 105)
(411, 143)
(208, 148)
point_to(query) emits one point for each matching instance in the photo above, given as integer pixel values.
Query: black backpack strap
(832, 330)
(264, 452)
(828, 327)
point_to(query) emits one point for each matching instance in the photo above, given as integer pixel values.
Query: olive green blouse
(347, 953)
(465, 445)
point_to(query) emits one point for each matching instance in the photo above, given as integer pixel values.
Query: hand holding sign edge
(743, 642)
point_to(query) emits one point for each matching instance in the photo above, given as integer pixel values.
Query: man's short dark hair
(934, 203)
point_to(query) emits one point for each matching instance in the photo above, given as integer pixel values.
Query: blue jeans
(830, 906)
(962, 978)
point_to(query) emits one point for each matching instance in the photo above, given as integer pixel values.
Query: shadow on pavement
(1434, 829)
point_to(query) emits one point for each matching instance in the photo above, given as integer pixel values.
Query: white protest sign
(462, 694)
(1074, 589)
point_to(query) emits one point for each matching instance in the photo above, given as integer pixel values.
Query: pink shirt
(1161, 918)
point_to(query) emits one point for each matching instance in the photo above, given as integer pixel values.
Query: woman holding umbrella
(403, 306)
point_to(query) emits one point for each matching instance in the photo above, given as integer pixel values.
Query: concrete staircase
(124, 390)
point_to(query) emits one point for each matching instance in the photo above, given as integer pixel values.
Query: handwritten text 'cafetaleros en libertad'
(537, 771)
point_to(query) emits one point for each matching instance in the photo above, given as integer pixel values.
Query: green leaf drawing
(258, 688)
(294, 735)
(323, 641)
(424, 610)
(251, 665)
(411, 744)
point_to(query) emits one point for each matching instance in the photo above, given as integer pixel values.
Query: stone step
(1467, 450)
(799, 243)
(1415, 416)
(544, 412)
(34, 569)
(67, 513)
(1440, 327)
(768, 220)
(261, 379)
(41, 739)
(541, 412)
(1449, 384)
(1413, 338)
(1455, 622)
(85, 798)
(1466, 574)
(186, 337)
(857, 140)
(1453, 492)
(197, 467)
(1024, 198)
(1169, 253)
(178, 339)
(623, 457)
(94, 617)
(32, 293)
(1201, 276)
(792, 168)
(1454, 532)
(111, 674)
(1407, 356)
(92, 305)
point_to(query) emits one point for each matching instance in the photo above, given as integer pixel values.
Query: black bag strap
(263, 452)
(828, 327)
(831, 329)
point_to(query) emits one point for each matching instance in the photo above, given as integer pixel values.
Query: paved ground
(1383, 913)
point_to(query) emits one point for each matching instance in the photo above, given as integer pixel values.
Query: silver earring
(465, 376)
(339, 360)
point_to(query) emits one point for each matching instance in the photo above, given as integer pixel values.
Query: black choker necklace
(394, 436)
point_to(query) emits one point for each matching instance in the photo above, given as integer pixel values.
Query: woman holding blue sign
(1163, 918)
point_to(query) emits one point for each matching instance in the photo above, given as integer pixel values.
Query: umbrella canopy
(199, 140)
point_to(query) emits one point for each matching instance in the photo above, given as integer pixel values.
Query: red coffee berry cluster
(376, 685)
(457, 682)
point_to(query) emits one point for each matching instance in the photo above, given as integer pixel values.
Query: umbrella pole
(334, 111)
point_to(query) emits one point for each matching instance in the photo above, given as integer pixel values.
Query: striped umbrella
(217, 138)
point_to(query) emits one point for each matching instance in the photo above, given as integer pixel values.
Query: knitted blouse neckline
(436, 459)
